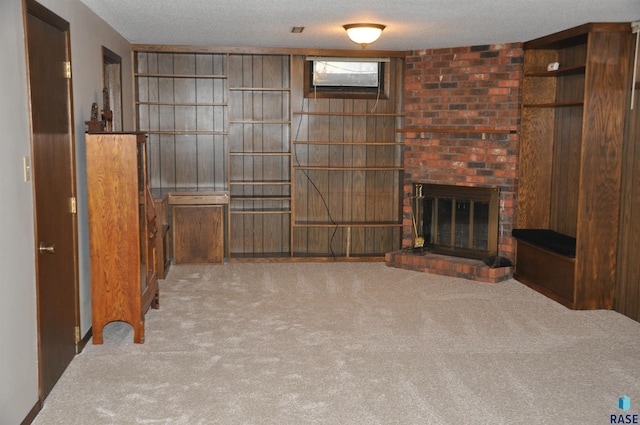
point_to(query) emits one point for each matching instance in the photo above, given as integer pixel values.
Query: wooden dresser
(122, 232)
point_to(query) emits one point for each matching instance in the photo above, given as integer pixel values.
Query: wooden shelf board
(364, 168)
(352, 114)
(261, 183)
(553, 104)
(260, 122)
(208, 76)
(348, 143)
(185, 132)
(570, 70)
(348, 224)
(283, 89)
(455, 130)
(259, 153)
(179, 103)
(260, 198)
(264, 211)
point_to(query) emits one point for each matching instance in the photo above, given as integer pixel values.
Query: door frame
(36, 9)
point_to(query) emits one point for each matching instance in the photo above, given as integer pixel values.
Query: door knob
(48, 249)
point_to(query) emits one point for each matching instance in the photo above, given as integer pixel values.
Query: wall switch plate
(26, 166)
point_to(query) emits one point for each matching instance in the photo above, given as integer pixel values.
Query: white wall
(18, 326)
(18, 343)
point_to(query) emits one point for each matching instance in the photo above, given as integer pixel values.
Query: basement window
(357, 78)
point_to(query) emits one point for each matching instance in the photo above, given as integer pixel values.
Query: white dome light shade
(364, 34)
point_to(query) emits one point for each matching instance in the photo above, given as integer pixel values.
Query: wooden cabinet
(122, 232)
(572, 133)
(198, 226)
(628, 282)
(198, 234)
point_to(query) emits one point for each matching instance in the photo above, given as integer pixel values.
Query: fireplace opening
(460, 221)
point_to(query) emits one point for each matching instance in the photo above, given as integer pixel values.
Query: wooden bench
(545, 261)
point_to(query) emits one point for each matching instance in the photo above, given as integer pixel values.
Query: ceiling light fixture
(364, 34)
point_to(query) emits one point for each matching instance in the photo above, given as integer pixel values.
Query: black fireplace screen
(456, 220)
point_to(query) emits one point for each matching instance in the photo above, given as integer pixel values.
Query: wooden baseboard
(84, 341)
(32, 413)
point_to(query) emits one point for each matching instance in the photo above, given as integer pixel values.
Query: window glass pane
(463, 215)
(428, 219)
(345, 74)
(444, 221)
(481, 226)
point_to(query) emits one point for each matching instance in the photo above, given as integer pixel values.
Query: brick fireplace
(462, 128)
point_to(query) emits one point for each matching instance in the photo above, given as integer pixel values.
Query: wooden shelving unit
(571, 141)
(260, 155)
(348, 173)
(229, 121)
(181, 103)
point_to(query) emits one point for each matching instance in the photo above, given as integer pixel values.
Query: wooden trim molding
(31, 416)
(270, 51)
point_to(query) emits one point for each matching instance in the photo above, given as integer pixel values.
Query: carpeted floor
(351, 343)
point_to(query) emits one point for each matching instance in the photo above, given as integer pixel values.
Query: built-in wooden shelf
(207, 76)
(261, 183)
(188, 132)
(570, 70)
(349, 224)
(261, 198)
(181, 103)
(259, 153)
(566, 184)
(279, 122)
(456, 130)
(348, 143)
(284, 89)
(232, 117)
(363, 168)
(261, 211)
(554, 104)
(350, 114)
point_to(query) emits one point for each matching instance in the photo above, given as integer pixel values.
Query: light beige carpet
(351, 343)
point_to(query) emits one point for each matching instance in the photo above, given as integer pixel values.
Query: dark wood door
(54, 185)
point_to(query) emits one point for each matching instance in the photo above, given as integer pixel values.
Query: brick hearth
(464, 268)
(462, 128)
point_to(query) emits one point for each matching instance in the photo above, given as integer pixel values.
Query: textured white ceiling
(411, 24)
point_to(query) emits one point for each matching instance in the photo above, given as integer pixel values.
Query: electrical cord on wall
(324, 201)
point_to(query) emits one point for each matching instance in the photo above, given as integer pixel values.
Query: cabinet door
(198, 234)
(142, 216)
(151, 236)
